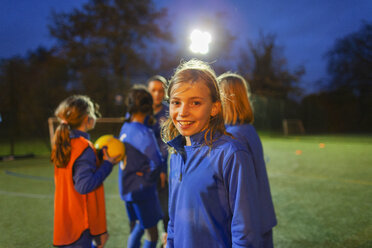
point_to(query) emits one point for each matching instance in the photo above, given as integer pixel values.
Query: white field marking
(25, 195)
(41, 196)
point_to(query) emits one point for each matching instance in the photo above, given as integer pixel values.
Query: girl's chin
(188, 130)
(185, 132)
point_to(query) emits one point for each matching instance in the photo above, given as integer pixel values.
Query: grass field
(322, 194)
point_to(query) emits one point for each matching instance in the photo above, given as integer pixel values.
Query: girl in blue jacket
(238, 115)
(213, 186)
(140, 170)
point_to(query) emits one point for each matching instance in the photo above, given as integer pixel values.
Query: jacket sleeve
(151, 150)
(241, 184)
(86, 175)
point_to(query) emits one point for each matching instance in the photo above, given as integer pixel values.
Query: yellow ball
(114, 146)
(102, 141)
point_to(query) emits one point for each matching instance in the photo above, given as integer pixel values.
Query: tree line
(106, 45)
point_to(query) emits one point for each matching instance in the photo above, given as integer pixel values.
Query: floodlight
(200, 41)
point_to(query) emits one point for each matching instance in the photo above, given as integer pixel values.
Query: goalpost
(293, 126)
(105, 125)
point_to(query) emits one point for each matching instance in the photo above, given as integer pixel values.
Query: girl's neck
(138, 117)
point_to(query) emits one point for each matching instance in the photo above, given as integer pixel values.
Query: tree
(334, 111)
(106, 43)
(10, 71)
(30, 90)
(265, 68)
(349, 67)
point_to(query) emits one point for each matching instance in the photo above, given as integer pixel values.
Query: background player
(79, 202)
(156, 85)
(238, 116)
(139, 172)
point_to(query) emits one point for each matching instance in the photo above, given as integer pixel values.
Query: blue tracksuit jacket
(248, 136)
(143, 156)
(213, 195)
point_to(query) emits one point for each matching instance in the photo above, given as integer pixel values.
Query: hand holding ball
(115, 148)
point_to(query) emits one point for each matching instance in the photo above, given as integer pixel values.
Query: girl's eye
(174, 102)
(196, 103)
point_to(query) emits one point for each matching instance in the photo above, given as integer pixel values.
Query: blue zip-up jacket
(247, 134)
(143, 156)
(213, 195)
(160, 117)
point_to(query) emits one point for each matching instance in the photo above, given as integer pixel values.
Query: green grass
(27, 188)
(322, 197)
(29, 146)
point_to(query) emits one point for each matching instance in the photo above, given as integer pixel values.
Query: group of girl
(219, 194)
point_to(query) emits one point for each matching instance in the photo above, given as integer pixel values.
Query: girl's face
(157, 92)
(191, 107)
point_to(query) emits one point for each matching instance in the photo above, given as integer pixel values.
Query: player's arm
(152, 151)
(86, 175)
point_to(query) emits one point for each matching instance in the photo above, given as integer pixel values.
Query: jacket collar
(197, 140)
(77, 133)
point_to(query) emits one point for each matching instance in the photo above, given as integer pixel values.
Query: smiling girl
(213, 188)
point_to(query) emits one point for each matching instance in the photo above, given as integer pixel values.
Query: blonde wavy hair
(237, 108)
(195, 71)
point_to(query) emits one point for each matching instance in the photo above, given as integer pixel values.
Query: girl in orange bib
(79, 203)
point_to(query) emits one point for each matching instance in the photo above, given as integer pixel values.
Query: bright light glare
(200, 41)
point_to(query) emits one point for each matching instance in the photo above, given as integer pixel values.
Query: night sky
(305, 29)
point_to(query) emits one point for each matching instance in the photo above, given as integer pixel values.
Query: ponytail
(61, 150)
(71, 113)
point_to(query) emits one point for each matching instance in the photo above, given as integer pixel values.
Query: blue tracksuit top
(143, 156)
(247, 134)
(160, 117)
(212, 195)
